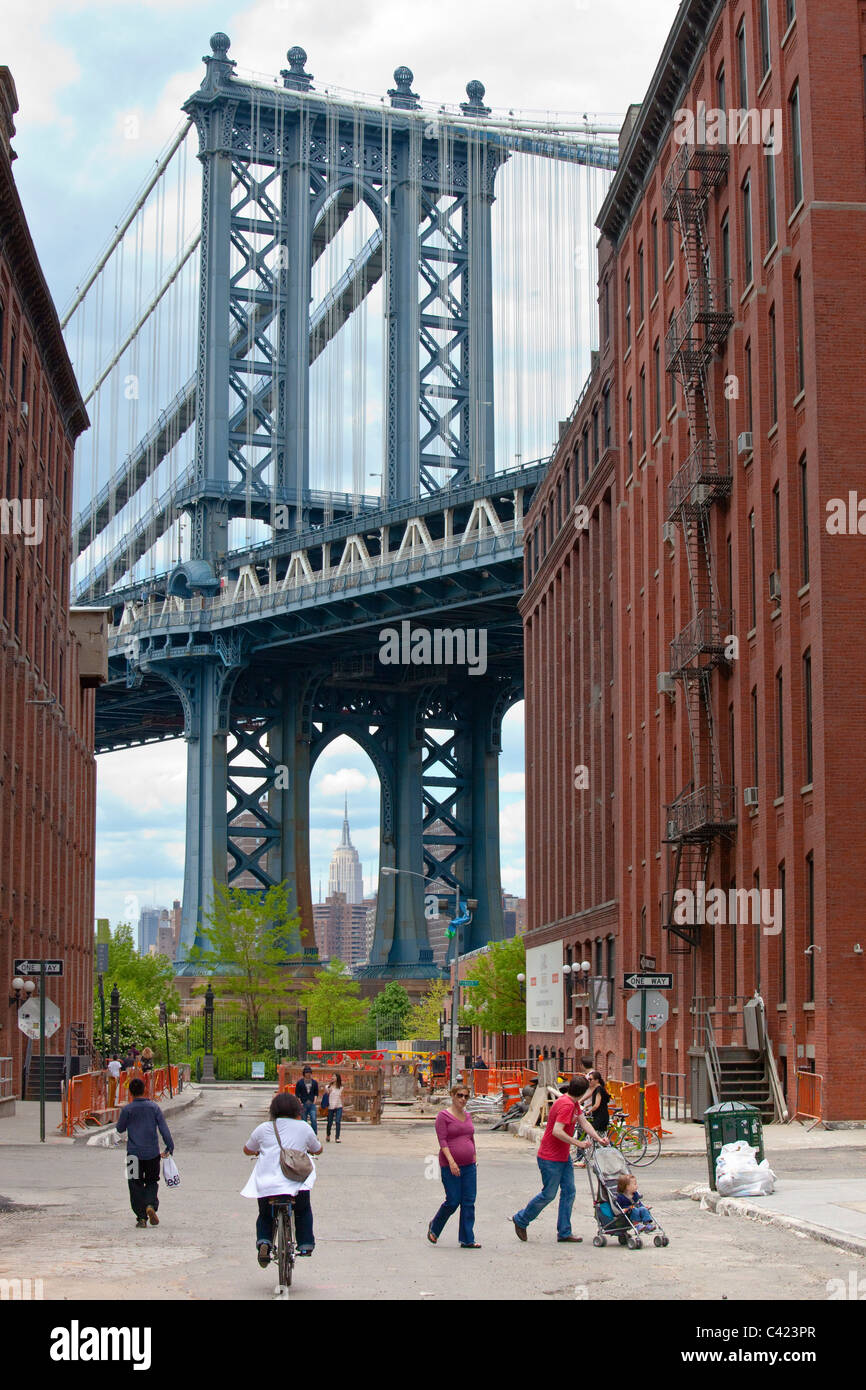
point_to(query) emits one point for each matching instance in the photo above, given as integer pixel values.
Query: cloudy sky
(84, 69)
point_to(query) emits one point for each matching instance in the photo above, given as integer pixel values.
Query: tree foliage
(391, 1006)
(143, 982)
(496, 1004)
(422, 1021)
(332, 1001)
(249, 936)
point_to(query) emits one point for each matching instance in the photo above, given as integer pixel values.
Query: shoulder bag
(296, 1164)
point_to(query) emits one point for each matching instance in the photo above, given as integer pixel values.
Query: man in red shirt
(554, 1161)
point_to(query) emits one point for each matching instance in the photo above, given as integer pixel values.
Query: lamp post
(102, 1014)
(163, 1023)
(114, 1010)
(582, 969)
(207, 1064)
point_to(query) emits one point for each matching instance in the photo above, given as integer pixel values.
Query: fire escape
(706, 808)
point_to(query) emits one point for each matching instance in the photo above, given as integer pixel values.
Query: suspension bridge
(325, 355)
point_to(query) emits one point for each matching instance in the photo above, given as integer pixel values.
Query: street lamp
(114, 1010)
(163, 1023)
(207, 1064)
(521, 980)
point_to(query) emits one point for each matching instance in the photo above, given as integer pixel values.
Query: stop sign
(28, 1018)
(656, 1010)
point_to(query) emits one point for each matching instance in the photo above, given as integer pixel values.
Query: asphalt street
(65, 1218)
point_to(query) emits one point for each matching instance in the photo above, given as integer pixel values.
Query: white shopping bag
(170, 1175)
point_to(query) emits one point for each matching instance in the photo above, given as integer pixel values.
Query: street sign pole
(42, 1057)
(642, 1058)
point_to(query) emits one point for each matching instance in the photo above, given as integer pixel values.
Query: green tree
(142, 982)
(496, 1005)
(332, 1001)
(248, 935)
(422, 1020)
(390, 1009)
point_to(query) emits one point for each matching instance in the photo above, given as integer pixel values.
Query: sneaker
(152, 1216)
(305, 1249)
(649, 1225)
(140, 1223)
(264, 1254)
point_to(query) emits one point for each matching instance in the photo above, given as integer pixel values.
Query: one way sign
(647, 981)
(38, 967)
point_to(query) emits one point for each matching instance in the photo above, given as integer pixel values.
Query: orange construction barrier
(652, 1112)
(630, 1102)
(87, 1102)
(481, 1081)
(810, 1102)
(510, 1094)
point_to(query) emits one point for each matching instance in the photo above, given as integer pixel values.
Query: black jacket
(306, 1091)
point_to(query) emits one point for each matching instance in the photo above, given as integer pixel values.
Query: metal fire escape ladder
(695, 819)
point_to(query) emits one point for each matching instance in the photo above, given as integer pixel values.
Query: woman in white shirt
(268, 1179)
(334, 1095)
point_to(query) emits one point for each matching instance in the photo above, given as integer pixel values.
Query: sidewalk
(835, 1214)
(23, 1126)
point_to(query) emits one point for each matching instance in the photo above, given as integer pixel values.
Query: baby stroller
(604, 1167)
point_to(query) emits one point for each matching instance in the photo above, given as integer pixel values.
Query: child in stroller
(629, 1200)
(606, 1169)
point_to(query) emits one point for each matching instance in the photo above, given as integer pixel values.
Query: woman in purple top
(456, 1134)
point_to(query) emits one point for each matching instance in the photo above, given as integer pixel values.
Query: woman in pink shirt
(456, 1134)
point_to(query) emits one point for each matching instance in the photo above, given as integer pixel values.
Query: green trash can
(727, 1124)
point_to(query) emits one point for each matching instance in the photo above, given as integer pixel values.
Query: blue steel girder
(252, 831)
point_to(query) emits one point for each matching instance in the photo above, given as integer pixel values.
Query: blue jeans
(335, 1115)
(557, 1177)
(639, 1213)
(303, 1221)
(308, 1113)
(459, 1192)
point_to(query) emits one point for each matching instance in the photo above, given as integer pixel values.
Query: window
(796, 148)
(777, 528)
(605, 303)
(733, 934)
(669, 242)
(628, 308)
(569, 983)
(13, 360)
(753, 608)
(726, 261)
(640, 284)
(747, 228)
(24, 379)
(742, 65)
(732, 744)
(770, 167)
(642, 411)
(749, 412)
(629, 425)
(780, 736)
(611, 977)
(765, 37)
(672, 381)
(654, 247)
(783, 938)
(595, 454)
(790, 11)
(804, 521)
(721, 101)
(774, 384)
(810, 928)
(807, 710)
(657, 386)
(607, 425)
(2, 333)
(755, 780)
(800, 365)
(586, 455)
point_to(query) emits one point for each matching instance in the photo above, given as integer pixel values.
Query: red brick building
(49, 658)
(731, 284)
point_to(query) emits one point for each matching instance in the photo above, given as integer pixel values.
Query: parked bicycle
(637, 1144)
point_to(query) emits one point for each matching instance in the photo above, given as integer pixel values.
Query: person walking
(554, 1161)
(457, 1169)
(283, 1128)
(307, 1089)
(113, 1070)
(142, 1121)
(147, 1059)
(334, 1093)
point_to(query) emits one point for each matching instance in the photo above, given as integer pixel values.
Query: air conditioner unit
(699, 495)
(669, 532)
(744, 444)
(775, 586)
(25, 410)
(672, 830)
(750, 796)
(665, 683)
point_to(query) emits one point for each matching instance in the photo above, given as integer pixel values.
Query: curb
(176, 1106)
(742, 1207)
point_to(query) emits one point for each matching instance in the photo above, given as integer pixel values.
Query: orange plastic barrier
(652, 1113)
(94, 1098)
(630, 1102)
(810, 1103)
(510, 1094)
(481, 1081)
(615, 1090)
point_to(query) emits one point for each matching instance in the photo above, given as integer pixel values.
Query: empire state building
(345, 874)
